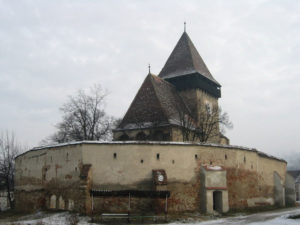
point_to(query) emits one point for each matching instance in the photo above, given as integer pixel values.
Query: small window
(75, 169)
(244, 159)
(251, 166)
(196, 156)
(173, 161)
(142, 161)
(67, 156)
(225, 156)
(157, 156)
(210, 162)
(115, 155)
(208, 107)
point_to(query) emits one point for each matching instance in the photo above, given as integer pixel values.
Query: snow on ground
(277, 217)
(46, 219)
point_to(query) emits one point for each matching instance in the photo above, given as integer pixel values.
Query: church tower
(186, 70)
(164, 104)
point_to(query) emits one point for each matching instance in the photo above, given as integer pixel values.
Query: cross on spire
(149, 67)
(184, 26)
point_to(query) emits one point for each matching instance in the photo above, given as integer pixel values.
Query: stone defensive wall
(196, 175)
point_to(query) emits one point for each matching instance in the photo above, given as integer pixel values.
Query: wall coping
(261, 154)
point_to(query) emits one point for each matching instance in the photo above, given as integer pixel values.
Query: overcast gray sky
(50, 49)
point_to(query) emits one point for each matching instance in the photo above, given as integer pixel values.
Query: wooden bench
(131, 216)
(115, 216)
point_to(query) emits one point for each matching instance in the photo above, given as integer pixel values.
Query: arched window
(61, 203)
(53, 202)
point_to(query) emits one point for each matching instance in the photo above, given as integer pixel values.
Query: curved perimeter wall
(70, 171)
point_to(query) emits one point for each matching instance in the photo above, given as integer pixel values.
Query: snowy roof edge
(262, 154)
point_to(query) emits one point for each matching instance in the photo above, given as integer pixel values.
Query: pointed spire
(185, 60)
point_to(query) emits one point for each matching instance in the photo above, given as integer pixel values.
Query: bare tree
(212, 122)
(206, 125)
(9, 149)
(84, 118)
(187, 125)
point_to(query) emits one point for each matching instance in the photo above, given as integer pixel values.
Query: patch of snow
(277, 217)
(266, 218)
(152, 143)
(50, 219)
(214, 167)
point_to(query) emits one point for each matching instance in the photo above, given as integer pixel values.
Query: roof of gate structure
(185, 60)
(157, 103)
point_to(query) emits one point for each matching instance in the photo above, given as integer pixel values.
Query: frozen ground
(278, 217)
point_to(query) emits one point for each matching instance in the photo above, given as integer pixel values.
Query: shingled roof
(157, 103)
(185, 60)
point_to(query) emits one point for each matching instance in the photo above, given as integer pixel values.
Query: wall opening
(71, 204)
(115, 155)
(44, 174)
(53, 202)
(217, 201)
(61, 203)
(157, 156)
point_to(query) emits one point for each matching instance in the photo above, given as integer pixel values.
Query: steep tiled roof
(171, 102)
(157, 103)
(185, 60)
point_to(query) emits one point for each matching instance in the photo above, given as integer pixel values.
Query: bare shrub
(72, 219)
(40, 223)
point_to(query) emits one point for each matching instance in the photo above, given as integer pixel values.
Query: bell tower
(186, 70)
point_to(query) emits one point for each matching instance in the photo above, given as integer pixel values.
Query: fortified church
(150, 166)
(164, 103)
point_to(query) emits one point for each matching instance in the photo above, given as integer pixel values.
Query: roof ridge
(137, 100)
(159, 100)
(163, 80)
(175, 92)
(193, 48)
